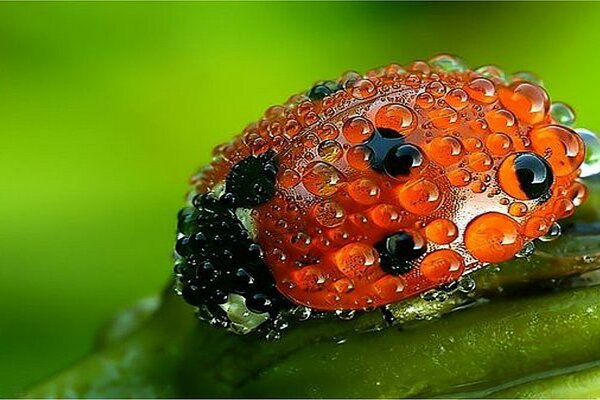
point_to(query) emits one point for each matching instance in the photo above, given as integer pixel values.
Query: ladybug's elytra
(371, 189)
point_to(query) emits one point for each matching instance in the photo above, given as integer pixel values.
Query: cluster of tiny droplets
(405, 179)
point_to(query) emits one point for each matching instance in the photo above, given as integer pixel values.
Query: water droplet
(424, 100)
(359, 157)
(329, 214)
(563, 208)
(343, 285)
(442, 266)
(482, 90)
(322, 179)
(466, 284)
(502, 121)
(389, 286)
(441, 231)
(385, 216)
(591, 163)
(525, 176)
(364, 191)
(349, 78)
(357, 129)
(302, 313)
(445, 150)
(440, 296)
(578, 193)
(448, 63)
(527, 76)
(499, 144)
(457, 99)
(553, 234)
(473, 144)
(459, 177)
(493, 237)
(330, 150)
(527, 250)
(563, 148)
(310, 278)
(357, 260)
(327, 131)
(436, 88)
(492, 72)
(363, 89)
(273, 335)
(397, 117)
(562, 113)
(289, 178)
(280, 324)
(480, 161)
(443, 118)
(529, 102)
(421, 196)
(536, 227)
(517, 209)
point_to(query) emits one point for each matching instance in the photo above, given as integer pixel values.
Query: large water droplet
(322, 179)
(527, 250)
(492, 72)
(591, 163)
(527, 76)
(553, 234)
(466, 284)
(448, 63)
(562, 113)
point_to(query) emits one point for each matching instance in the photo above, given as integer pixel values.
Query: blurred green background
(107, 108)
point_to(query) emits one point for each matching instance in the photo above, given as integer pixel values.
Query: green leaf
(525, 330)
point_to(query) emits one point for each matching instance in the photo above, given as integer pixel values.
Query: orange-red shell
(330, 207)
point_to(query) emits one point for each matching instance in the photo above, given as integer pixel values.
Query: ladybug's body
(373, 189)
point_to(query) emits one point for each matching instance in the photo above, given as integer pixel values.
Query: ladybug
(375, 188)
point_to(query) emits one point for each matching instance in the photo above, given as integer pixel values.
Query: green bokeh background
(107, 108)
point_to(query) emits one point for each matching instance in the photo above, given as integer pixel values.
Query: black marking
(534, 174)
(401, 159)
(251, 181)
(398, 250)
(381, 142)
(322, 90)
(217, 257)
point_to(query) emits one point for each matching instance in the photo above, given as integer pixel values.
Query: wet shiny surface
(451, 156)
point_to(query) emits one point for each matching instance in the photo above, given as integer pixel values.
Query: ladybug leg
(387, 315)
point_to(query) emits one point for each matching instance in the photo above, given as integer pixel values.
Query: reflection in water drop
(345, 314)
(591, 164)
(553, 234)
(527, 76)
(448, 63)
(562, 113)
(466, 284)
(492, 72)
(527, 250)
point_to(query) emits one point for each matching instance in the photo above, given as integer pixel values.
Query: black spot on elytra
(398, 250)
(534, 175)
(381, 143)
(401, 159)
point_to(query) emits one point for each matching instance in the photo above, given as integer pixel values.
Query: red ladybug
(371, 189)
